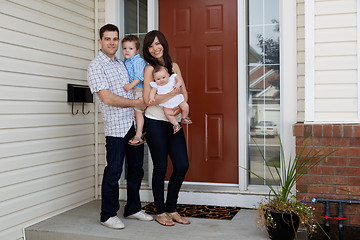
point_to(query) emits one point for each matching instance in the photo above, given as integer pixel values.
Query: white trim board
(242, 95)
(288, 77)
(310, 61)
(153, 15)
(244, 200)
(358, 56)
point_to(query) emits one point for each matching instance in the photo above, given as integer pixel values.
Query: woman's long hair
(148, 40)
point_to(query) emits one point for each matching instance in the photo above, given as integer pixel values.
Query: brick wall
(337, 176)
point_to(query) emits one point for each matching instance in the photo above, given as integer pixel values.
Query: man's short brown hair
(110, 28)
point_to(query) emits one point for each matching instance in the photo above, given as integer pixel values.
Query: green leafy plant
(281, 198)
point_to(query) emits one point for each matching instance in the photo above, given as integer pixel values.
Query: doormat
(199, 211)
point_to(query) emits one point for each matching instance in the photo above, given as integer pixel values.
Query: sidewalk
(82, 223)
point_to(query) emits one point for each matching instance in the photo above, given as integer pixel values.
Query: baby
(164, 83)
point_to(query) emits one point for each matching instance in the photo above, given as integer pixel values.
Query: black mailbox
(79, 94)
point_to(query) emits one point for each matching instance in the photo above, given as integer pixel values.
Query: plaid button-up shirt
(106, 73)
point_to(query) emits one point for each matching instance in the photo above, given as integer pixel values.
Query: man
(107, 76)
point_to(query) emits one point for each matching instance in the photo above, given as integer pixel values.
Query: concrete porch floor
(83, 223)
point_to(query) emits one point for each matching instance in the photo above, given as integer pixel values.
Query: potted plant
(281, 213)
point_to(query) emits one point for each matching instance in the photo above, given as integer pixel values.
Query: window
(135, 23)
(135, 18)
(263, 87)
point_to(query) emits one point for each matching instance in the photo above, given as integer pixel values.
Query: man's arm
(116, 101)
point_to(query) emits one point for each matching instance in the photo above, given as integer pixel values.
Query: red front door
(202, 36)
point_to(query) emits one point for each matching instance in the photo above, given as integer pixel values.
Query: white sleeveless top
(156, 112)
(164, 89)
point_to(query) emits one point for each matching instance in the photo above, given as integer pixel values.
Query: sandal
(186, 120)
(139, 140)
(164, 219)
(177, 128)
(175, 216)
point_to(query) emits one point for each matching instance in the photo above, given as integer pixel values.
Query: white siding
(336, 60)
(46, 153)
(336, 97)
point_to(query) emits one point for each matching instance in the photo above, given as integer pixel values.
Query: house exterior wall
(328, 101)
(46, 153)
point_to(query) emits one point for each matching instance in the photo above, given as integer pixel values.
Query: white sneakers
(141, 215)
(116, 223)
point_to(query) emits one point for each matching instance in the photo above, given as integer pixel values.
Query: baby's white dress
(173, 102)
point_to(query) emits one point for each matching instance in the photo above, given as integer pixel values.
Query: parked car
(267, 128)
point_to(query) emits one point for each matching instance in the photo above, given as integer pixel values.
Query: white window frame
(288, 88)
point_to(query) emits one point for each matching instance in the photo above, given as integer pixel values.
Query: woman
(159, 133)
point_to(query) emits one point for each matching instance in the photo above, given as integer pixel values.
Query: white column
(288, 76)
(358, 55)
(242, 93)
(153, 14)
(111, 12)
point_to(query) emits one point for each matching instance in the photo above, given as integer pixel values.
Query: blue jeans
(163, 143)
(116, 149)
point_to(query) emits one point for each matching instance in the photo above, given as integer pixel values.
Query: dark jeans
(163, 143)
(116, 149)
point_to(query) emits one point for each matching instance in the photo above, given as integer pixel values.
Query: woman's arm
(153, 92)
(148, 78)
(178, 83)
(183, 88)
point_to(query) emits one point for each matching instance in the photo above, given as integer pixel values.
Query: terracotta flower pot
(286, 225)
